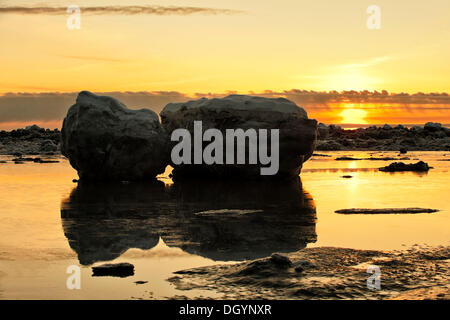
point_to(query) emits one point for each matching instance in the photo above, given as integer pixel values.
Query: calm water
(48, 223)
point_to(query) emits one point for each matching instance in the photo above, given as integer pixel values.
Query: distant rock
(121, 270)
(321, 155)
(104, 140)
(432, 126)
(328, 145)
(322, 131)
(345, 158)
(400, 166)
(34, 128)
(296, 141)
(385, 211)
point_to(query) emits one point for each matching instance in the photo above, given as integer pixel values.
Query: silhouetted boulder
(296, 141)
(106, 141)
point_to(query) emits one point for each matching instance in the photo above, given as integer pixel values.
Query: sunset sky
(246, 46)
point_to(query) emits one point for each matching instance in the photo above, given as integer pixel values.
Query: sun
(355, 116)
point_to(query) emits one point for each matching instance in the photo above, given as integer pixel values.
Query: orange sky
(254, 46)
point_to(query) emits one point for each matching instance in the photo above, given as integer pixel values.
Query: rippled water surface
(48, 223)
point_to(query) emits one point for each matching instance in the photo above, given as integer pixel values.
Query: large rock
(297, 133)
(104, 140)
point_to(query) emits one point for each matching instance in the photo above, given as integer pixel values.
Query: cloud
(87, 58)
(120, 10)
(368, 63)
(50, 108)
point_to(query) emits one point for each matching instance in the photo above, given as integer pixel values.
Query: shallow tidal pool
(48, 223)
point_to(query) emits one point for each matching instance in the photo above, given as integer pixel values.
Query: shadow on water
(226, 221)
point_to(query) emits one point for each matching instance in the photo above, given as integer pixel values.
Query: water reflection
(225, 221)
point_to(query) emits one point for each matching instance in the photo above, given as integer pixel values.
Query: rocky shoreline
(430, 137)
(34, 140)
(31, 140)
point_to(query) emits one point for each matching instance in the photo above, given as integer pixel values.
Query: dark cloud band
(120, 10)
(53, 106)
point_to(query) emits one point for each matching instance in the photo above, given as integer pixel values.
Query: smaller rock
(400, 166)
(346, 158)
(299, 269)
(34, 128)
(47, 161)
(141, 282)
(386, 211)
(432, 126)
(121, 270)
(281, 260)
(347, 176)
(321, 155)
(403, 150)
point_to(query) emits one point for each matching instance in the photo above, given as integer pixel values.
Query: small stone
(304, 264)
(281, 260)
(121, 270)
(400, 166)
(299, 269)
(403, 150)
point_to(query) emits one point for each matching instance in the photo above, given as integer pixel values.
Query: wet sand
(328, 273)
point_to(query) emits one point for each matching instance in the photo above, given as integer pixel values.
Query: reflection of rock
(104, 140)
(103, 221)
(241, 220)
(297, 132)
(222, 220)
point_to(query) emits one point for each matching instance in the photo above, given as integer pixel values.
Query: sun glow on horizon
(356, 116)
